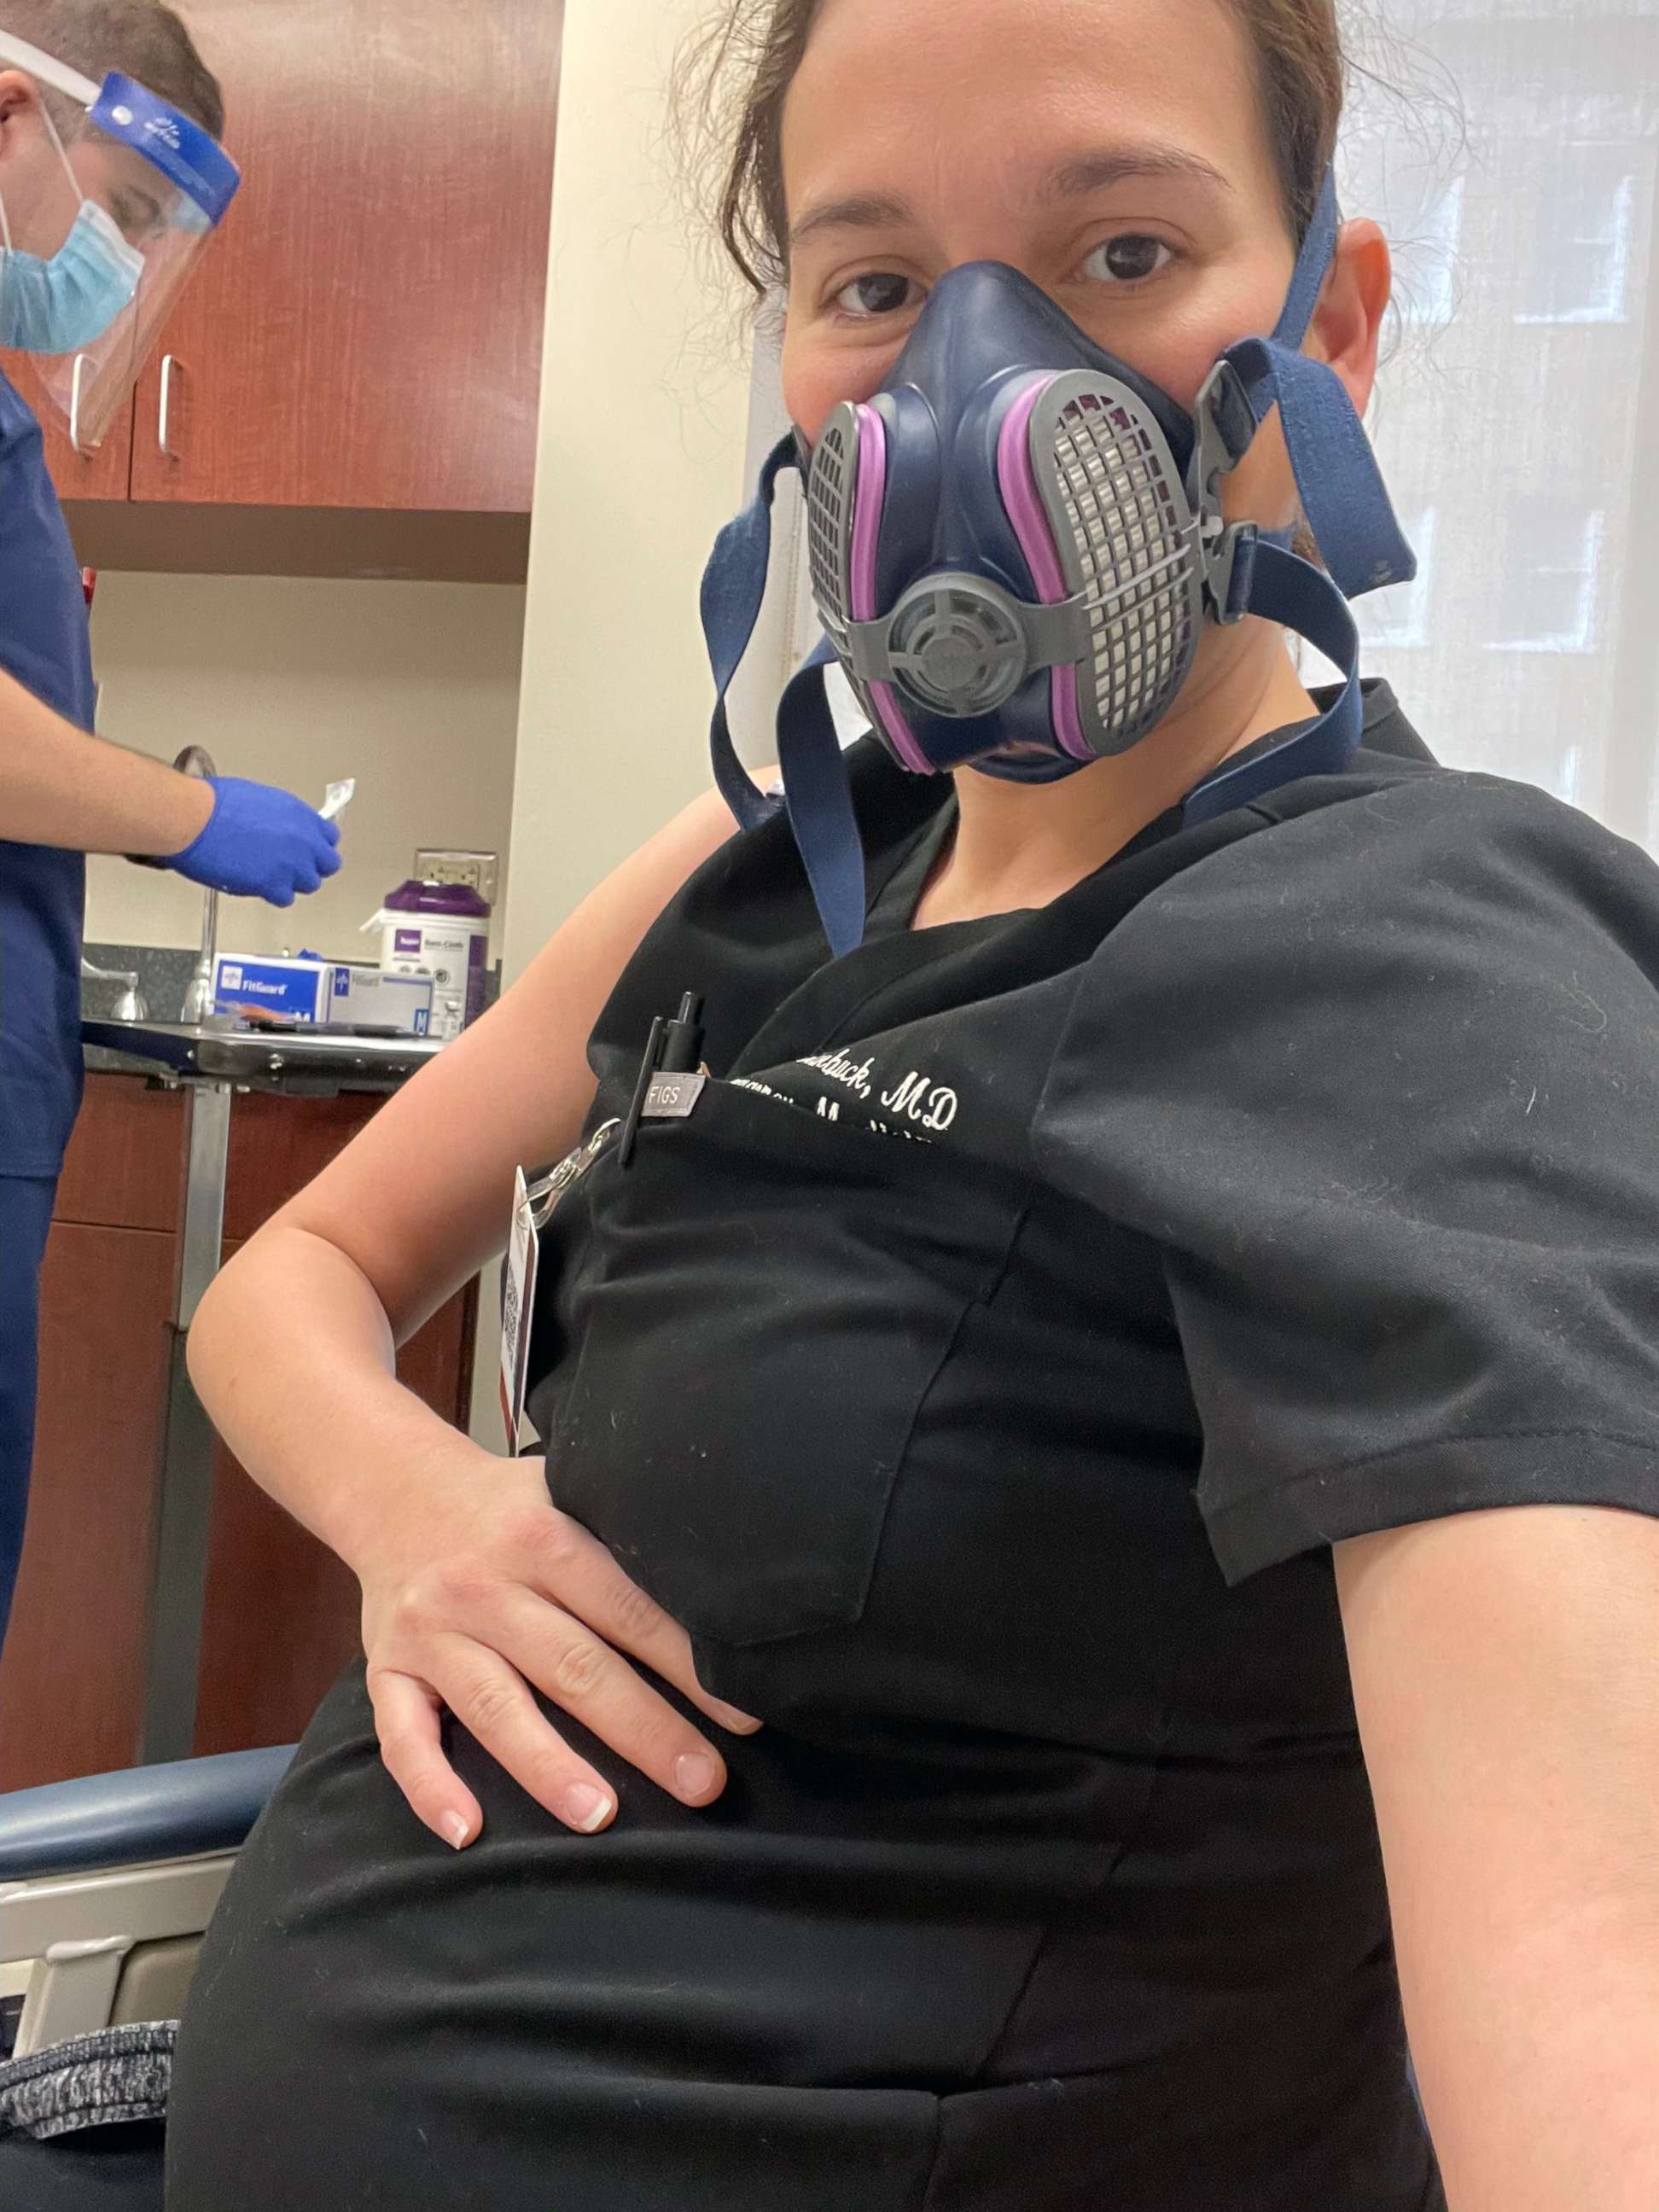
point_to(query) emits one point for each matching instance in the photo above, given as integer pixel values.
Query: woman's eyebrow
(1115, 165)
(1084, 174)
(857, 211)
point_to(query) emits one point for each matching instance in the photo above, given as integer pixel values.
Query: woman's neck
(1023, 845)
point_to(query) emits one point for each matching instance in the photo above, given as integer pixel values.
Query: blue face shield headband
(1016, 544)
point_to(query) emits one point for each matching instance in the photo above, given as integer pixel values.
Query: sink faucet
(129, 1006)
(195, 760)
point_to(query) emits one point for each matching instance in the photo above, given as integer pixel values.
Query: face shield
(97, 243)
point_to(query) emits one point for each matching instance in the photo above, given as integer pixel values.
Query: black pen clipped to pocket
(671, 1080)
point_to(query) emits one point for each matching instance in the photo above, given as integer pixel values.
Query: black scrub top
(982, 1373)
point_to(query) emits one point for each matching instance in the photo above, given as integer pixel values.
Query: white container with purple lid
(441, 929)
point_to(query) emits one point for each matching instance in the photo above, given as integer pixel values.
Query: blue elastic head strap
(733, 586)
(1347, 510)
(1313, 265)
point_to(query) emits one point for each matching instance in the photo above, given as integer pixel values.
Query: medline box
(328, 993)
(365, 995)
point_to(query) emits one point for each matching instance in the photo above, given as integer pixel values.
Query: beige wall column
(645, 400)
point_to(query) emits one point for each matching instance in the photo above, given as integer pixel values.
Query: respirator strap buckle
(1226, 429)
(1227, 425)
(1229, 571)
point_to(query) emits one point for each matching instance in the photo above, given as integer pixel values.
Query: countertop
(311, 1062)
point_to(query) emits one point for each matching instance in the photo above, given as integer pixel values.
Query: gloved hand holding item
(260, 842)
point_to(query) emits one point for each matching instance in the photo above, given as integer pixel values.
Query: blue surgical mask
(60, 305)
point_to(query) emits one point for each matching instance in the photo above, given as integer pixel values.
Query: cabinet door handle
(75, 404)
(169, 362)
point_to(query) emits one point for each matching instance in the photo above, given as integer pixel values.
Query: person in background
(110, 181)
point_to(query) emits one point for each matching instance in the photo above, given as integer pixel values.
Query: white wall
(644, 404)
(411, 688)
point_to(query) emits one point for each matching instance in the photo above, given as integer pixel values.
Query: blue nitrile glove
(260, 842)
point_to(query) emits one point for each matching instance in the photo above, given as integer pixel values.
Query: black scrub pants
(103, 2169)
(25, 1217)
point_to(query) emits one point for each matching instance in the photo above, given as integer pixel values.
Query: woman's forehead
(1019, 86)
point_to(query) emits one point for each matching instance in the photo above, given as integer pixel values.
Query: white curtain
(1511, 150)
(1511, 154)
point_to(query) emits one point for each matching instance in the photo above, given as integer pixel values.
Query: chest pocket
(746, 1323)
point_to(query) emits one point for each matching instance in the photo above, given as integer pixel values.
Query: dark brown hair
(142, 38)
(756, 46)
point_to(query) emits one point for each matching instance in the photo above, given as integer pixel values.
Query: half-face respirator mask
(1015, 546)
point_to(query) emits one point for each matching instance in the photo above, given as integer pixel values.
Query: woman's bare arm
(1506, 1670)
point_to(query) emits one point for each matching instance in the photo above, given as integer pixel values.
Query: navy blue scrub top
(44, 643)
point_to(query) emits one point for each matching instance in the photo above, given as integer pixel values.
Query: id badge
(533, 1209)
(518, 1303)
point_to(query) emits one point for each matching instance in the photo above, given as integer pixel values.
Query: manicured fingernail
(695, 1775)
(740, 1723)
(456, 1829)
(587, 1807)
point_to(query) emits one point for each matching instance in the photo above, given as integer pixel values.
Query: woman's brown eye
(1128, 258)
(874, 294)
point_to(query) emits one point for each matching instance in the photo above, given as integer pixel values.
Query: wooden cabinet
(103, 474)
(367, 332)
(282, 1614)
(125, 1163)
(75, 1651)
(349, 384)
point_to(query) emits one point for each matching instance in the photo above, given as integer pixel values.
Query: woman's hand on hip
(485, 1592)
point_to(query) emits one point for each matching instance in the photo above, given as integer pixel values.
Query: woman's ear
(1347, 323)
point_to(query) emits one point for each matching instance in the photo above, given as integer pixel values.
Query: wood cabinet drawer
(276, 1146)
(74, 1654)
(368, 332)
(280, 1618)
(125, 1167)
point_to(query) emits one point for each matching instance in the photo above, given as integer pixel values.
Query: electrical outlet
(477, 869)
